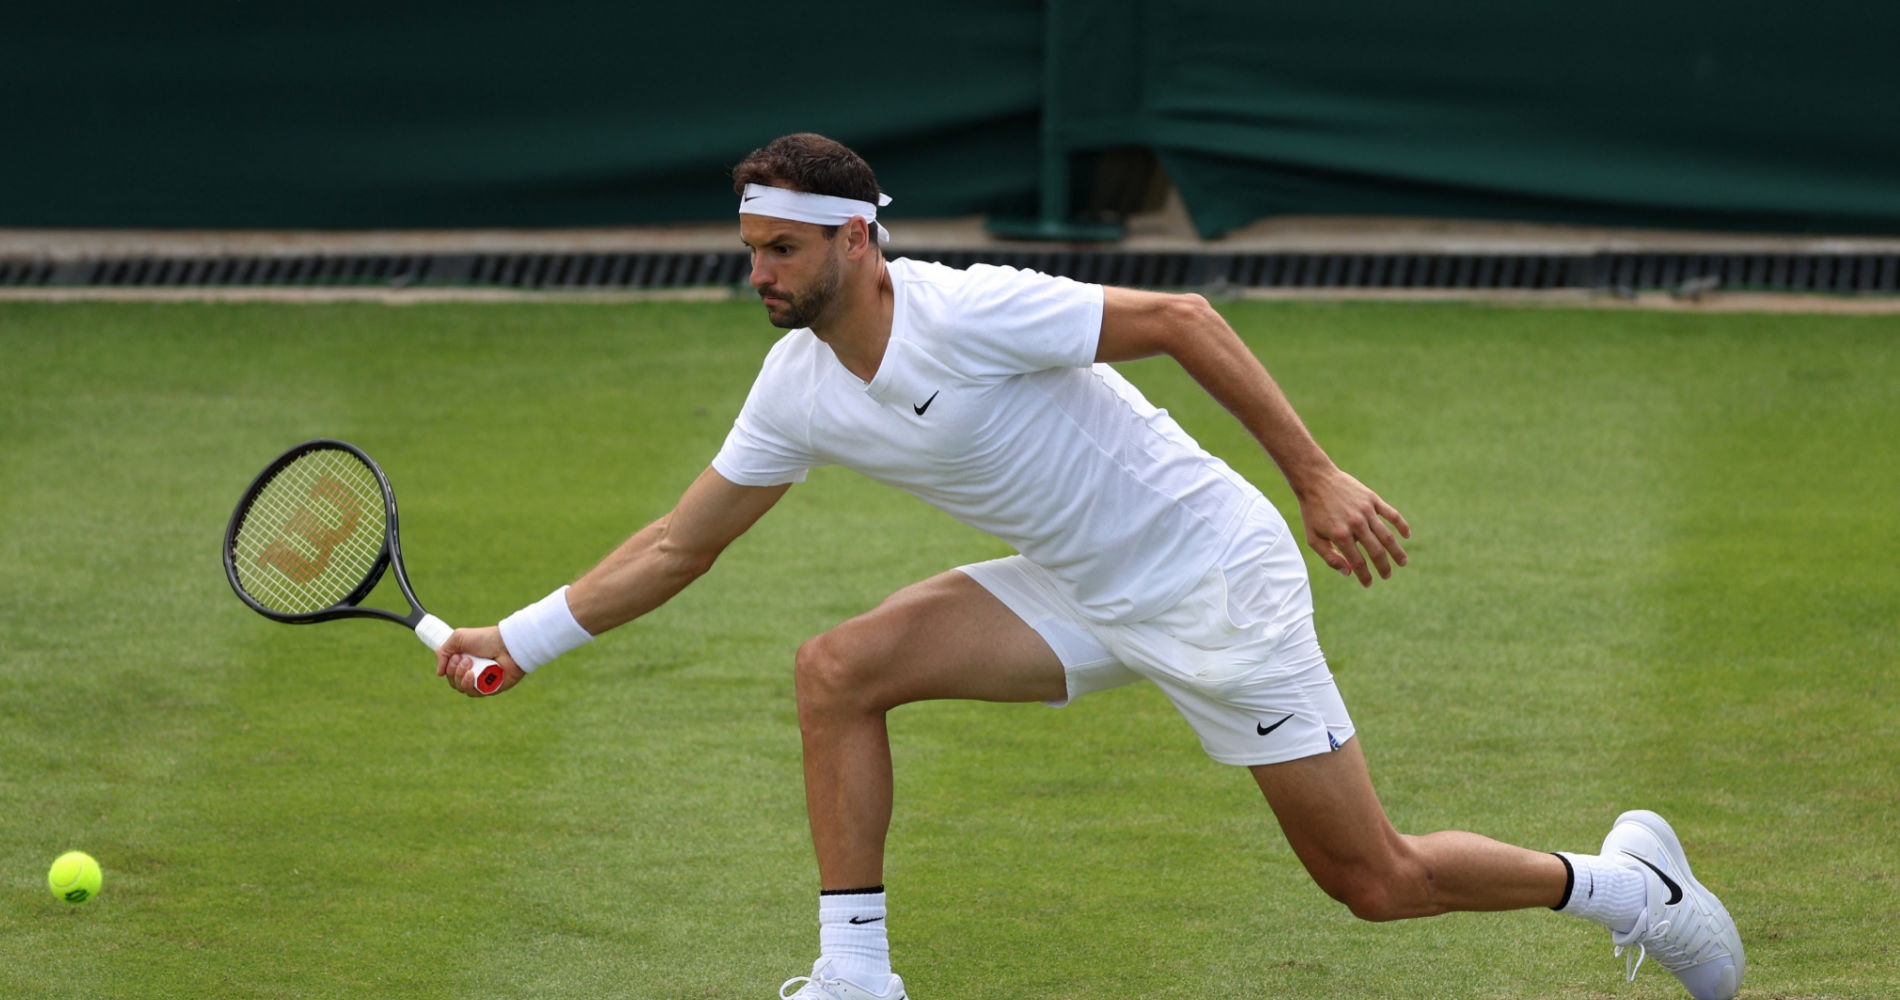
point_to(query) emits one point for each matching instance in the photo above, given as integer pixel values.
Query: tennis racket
(314, 534)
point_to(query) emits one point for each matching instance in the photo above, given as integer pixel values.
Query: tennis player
(988, 393)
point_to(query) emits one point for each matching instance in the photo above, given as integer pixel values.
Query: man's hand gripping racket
(314, 534)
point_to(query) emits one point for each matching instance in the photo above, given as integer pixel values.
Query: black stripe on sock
(1570, 882)
(851, 892)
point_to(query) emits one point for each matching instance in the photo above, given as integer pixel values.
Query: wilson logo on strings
(323, 538)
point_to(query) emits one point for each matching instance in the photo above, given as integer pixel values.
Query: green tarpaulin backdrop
(407, 113)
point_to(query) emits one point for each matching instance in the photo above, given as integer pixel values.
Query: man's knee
(1392, 888)
(1368, 897)
(832, 672)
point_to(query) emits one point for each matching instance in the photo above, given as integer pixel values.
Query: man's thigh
(946, 637)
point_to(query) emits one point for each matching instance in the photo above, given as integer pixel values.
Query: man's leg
(1333, 820)
(946, 637)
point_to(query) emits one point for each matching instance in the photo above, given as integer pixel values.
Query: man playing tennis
(987, 393)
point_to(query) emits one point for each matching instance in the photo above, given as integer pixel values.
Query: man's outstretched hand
(1346, 523)
(452, 661)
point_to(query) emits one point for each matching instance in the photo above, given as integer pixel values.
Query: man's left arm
(1341, 515)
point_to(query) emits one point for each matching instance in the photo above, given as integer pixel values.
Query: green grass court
(1653, 565)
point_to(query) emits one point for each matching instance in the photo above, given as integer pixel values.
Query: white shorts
(1237, 656)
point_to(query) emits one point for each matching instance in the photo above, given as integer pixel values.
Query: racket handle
(434, 632)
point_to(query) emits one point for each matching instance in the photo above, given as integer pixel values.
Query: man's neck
(861, 328)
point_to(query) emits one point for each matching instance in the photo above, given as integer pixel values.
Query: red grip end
(489, 680)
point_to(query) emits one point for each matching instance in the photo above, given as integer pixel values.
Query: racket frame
(390, 556)
(427, 627)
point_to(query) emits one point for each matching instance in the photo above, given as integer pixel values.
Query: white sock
(1606, 890)
(851, 934)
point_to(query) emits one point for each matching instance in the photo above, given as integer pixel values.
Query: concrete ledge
(1564, 298)
(1163, 231)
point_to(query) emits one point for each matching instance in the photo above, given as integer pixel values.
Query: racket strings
(312, 534)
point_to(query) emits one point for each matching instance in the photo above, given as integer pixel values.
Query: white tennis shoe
(822, 985)
(1684, 927)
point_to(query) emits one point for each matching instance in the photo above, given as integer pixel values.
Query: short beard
(808, 307)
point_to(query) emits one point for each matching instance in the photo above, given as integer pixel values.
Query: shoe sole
(1659, 828)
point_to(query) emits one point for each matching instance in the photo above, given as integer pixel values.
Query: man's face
(794, 268)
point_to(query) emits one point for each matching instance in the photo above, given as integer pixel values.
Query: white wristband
(542, 631)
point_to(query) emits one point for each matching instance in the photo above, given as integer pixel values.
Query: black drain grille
(314, 270)
(1489, 271)
(1614, 272)
(24, 273)
(599, 270)
(1794, 272)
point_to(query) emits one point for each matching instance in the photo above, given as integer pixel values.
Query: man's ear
(857, 237)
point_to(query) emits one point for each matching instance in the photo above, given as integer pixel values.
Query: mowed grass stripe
(1773, 700)
(116, 678)
(305, 812)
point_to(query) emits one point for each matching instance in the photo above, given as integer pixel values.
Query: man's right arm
(641, 574)
(663, 557)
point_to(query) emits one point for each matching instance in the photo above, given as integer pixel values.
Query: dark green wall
(266, 113)
(1649, 112)
(254, 113)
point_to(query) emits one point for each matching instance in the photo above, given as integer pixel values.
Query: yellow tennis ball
(75, 877)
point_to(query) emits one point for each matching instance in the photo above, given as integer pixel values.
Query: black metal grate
(1616, 272)
(1452, 271)
(1793, 272)
(256, 271)
(24, 273)
(604, 270)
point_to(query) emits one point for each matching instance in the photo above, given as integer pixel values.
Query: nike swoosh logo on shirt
(926, 404)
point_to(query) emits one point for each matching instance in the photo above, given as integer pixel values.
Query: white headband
(817, 209)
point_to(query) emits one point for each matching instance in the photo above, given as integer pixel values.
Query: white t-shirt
(988, 405)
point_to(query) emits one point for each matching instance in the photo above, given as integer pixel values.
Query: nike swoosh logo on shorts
(1264, 730)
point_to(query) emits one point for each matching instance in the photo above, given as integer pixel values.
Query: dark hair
(812, 164)
(808, 162)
